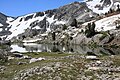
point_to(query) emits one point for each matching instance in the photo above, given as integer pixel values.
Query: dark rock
(49, 13)
(3, 18)
(7, 42)
(44, 24)
(73, 23)
(28, 17)
(28, 33)
(18, 55)
(21, 63)
(39, 14)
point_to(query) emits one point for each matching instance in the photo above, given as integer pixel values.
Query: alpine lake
(32, 61)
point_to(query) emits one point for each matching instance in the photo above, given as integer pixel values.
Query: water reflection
(33, 47)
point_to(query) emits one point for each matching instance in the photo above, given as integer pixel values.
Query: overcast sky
(20, 7)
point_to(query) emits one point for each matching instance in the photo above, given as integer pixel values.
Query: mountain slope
(51, 20)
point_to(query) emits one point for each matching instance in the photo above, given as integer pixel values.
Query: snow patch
(75, 34)
(92, 5)
(30, 44)
(60, 22)
(1, 24)
(91, 57)
(63, 36)
(32, 40)
(51, 20)
(9, 19)
(17, 48)
(36, 59)
(107, 23)
(1, 29)
(36, 27)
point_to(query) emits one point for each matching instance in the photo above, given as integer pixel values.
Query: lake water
(33, 47)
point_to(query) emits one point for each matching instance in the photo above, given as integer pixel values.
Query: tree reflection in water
(71, 48)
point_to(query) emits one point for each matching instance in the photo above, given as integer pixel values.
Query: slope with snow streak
(107, 23)
(18, 27)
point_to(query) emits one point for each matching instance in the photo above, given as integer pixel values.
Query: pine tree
(93, 27)
(118, 7)
(74, 23)
(111, 10)
(90, 31)
(53, 35)
(64, 27)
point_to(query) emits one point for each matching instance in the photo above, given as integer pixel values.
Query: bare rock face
(4, 29)
(75, 10)
(3, 18)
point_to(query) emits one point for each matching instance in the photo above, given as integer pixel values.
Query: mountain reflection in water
(33, 47)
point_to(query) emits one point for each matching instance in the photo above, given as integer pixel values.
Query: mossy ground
(12, 67)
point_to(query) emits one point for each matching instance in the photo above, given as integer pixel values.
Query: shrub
(118, 7)
(64, 27)
(118, 27)
(102, 37)
(71, 38)
(90, 30)
(82, 31)
(80, 23)
(74, 23)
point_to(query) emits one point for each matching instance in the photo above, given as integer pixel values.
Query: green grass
(13, 66)
(46, 54)
(105, 34)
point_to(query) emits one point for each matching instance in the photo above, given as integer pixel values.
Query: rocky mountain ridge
(65, 24)
(51, 19)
